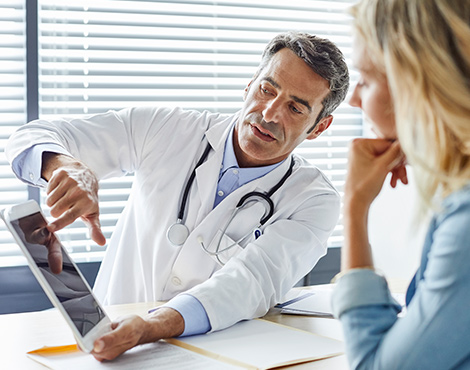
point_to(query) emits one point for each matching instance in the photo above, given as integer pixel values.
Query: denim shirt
(435, 331)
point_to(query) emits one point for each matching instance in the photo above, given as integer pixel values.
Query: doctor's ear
(320, 127)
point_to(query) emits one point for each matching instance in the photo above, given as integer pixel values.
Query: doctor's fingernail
(99, 345)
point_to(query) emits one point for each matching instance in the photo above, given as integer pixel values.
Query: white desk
(24, 332)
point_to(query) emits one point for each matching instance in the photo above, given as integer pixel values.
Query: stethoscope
(178, 232)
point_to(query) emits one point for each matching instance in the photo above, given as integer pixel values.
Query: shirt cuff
(195, 317)
(27, 166)
(361, 287)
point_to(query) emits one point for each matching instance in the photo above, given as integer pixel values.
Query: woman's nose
(355, 100)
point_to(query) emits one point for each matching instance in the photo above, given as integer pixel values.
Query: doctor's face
(372, 94)
(281, 106)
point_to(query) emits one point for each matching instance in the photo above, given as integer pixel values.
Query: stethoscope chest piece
(177, 234)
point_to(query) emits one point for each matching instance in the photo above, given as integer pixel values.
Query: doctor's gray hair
(322, 56)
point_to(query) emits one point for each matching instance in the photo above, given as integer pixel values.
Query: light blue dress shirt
(434, 333)
(231, 176)
(28, 167)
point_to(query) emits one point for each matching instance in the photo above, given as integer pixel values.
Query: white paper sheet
(159, 355)
(265, 344)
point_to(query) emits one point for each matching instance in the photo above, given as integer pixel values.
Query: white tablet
(67, 290)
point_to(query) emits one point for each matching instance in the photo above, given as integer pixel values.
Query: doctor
(192, 171)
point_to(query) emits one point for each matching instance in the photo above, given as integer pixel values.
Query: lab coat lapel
(207, 174)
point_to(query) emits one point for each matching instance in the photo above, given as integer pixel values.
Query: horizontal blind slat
(12, 113)
(196, 54)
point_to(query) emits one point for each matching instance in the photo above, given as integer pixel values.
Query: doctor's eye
(265, 90)
(295, 110)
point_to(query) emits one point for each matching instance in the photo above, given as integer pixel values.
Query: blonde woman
(414, 60)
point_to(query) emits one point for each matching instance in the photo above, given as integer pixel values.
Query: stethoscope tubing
(242, 202)
(190, 182)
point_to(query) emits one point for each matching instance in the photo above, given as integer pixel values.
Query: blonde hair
(423, 48)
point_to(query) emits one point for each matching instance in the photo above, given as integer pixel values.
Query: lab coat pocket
(222, 248)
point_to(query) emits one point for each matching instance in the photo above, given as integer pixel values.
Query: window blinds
(111, 54)
(12, 109)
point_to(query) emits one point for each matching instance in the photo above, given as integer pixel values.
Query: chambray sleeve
(194, 314)
(363, 303)
(27, 166)
(433, 334)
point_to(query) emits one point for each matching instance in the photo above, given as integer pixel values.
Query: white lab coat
(162, 146)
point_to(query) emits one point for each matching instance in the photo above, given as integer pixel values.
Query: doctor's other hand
(72, 192)
(133, 330)
(370, 160)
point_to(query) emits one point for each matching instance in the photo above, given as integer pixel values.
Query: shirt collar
(245, 174)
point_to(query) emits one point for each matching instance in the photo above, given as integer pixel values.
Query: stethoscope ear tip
(200, 240)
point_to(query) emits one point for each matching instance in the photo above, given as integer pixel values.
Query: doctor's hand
(370, 160)
(72, 192)
(133, 330)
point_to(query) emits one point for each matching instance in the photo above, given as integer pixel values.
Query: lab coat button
(176, 281)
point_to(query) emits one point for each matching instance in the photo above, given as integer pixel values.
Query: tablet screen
(68, 286)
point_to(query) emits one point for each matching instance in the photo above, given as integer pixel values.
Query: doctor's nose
(271, 112)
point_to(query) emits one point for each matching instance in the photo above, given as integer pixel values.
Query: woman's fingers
(370, 160)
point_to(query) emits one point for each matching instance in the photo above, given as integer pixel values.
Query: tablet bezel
(31, 207)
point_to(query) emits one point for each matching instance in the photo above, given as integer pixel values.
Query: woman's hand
(370, 160)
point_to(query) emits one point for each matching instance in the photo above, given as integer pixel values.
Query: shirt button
(31, 176)
(235, 172)
(175, 280)
(220, 193)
